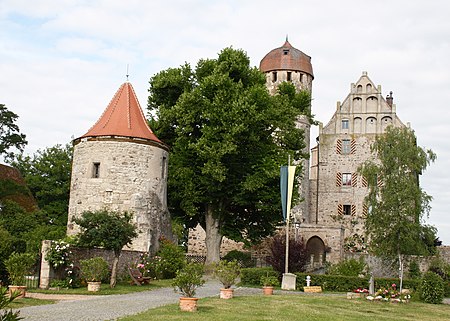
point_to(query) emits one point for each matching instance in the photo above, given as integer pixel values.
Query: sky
(61, 61)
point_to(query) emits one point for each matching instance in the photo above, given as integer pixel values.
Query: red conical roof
(286, 57)
(123, 117)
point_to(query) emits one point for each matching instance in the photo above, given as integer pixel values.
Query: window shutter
(338, 179)
(339, 146)
(354, 179)
(340, 209)
(353, 146)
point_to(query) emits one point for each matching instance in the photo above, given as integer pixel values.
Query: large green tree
(47, 175)
(10, 136)
(111, 230)
(397, 204)
(228, 138)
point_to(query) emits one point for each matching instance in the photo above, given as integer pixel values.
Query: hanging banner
(287, 174)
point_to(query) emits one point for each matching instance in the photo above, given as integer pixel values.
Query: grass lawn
(26, 302)
(121, 288)
(297, 307)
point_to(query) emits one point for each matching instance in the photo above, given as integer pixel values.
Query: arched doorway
(316, 251)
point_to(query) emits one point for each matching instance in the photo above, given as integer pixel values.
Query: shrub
(227, 272)
(297, 254)
(252, 276)
(244, 258)
(188, 279)
(171, 258)
(267, 280)
(5, 300)
(350, 267)
(432, 288)
(19, 265)
(414, 270)
(95, 269)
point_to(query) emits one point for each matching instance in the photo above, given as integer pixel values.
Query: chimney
(390, 99)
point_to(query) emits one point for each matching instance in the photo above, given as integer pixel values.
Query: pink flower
(394, 285)
(140, 265)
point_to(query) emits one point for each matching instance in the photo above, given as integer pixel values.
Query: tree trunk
(213, 236)
(113, 280)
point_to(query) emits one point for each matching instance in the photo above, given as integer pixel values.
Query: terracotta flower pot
(94, 286)
(188, 304)
(267, 290)
(17, 288)
(226, 293)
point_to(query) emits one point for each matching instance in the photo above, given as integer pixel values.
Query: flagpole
(286, 262)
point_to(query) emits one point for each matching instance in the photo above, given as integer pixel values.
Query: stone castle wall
(122, 176)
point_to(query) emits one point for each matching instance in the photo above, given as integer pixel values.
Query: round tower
(120, 164)
(287, 63)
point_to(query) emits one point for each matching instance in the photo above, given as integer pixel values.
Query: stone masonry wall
(130, 177)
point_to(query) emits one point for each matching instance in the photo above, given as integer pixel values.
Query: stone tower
(119, 164)
(287, 63)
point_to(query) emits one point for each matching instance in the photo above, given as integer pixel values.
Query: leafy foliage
(227, 272)
(244, 258)
(5, 300)
(228, 137)
(10, 136)
(398, 205)
(414, 270)
(111, 230)
(298, 257)
(252, 276)
(350, 267)
(432, 288)
(269, 280)
(47, 174)
(95, 269)
(188, 279)
(18, 265)
(171, 259)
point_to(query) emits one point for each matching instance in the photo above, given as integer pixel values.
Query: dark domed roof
(286, 57)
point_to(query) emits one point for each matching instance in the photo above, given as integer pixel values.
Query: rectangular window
(274, 76)
(289, 76)
(346, 146)
(347, 209)
(96, 170)
(345, 124)
(346, 179)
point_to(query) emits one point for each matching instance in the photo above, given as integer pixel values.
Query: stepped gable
(123, 117)
(286, 57)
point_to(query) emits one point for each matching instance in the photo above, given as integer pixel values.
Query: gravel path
(111, 307)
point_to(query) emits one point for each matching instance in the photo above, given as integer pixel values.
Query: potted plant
(18, 265)
(268, 282)
(94, 270)
(186, 281)
(227, 272)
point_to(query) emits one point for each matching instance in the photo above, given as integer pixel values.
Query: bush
(188, 279)
(95, 269)
(267, 280)
(252, 276)
(5, 300)
(414, 270)
(171, 258)
(350, 267)
(244, 258)
(19, 265)
(227, 272)
(432, 288)
(297, 254)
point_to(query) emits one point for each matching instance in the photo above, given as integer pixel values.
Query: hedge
(337, 283)
(252, 276)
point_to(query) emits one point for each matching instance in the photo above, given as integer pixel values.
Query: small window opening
(96, 170)
(285, 51)
(345, 124)
(347, 209)
(274, 76)
(289, 76)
